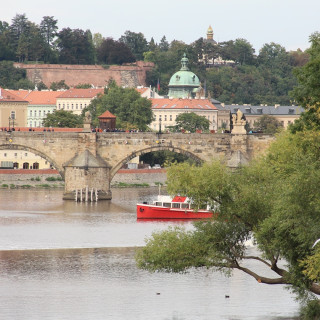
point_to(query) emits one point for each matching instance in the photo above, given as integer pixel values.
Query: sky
(286, 22)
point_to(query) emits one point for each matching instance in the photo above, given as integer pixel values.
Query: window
(35, 123)
(170, 117)
(26, 154)
(13, 115)
(59, 105)
(5, 155)
(76, 106)
(35, 113)
(165, 117)
(72, 106)
(15, 154)
(259, 110)
(175, 205)
(67, 106)
(30, 113)
(63, 106)
(39, 113)
(80, 105)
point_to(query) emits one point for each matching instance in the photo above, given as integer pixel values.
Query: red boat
(167, 208)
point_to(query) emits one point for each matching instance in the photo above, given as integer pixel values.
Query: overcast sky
(286, 22)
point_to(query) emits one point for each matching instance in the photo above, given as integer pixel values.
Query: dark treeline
(254, 78)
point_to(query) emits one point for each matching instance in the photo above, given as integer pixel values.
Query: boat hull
(153, 212)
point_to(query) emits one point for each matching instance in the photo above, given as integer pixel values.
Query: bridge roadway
(92, 159)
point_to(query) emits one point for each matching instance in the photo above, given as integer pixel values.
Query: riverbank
(50, 178)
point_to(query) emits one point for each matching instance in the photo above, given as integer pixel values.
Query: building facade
(165, 111)
(40, 104)
(13, 110)
(75, 100)
(286, 115)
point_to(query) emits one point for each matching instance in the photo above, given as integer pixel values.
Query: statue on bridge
(87, 122)
(238, 123)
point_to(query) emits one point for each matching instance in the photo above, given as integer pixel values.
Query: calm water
(66, 260)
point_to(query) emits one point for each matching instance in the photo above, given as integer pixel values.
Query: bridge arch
(34, 151)
(140, 152)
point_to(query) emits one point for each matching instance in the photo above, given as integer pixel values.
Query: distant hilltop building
(208, 59)
(209, 38)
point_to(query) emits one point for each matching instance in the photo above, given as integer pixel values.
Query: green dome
(183, 82)
(184, 78)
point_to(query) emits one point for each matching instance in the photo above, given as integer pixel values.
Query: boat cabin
(177, 202)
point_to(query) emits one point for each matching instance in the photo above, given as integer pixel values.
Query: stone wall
(150, 176)
(131, 75)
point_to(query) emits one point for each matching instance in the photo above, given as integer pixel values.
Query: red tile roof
(142, 90)
(38, 97)
(198, 104)
(107, 114)
(7, 96)
(81, 93)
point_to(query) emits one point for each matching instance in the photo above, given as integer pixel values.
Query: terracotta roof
(81, 93)
(38, 97)
(142, 90)
(7, 96)
(107, 114)
(198, 104)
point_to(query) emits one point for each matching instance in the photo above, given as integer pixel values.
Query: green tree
(274, 202)
(307, 92)
(75, 46)
(13, 78)
(114, 52)
(131, 110)
(191, 122)
(136, 42)
(48, 28)
(63, 119)
(268, 124)
(59, 85)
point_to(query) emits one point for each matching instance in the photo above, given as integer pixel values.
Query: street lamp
(11, 121)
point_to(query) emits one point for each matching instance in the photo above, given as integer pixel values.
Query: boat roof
(163, 198)
(179, 199)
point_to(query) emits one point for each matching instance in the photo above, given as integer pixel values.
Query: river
(75, 261)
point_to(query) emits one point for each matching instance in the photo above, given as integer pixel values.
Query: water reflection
(66, 260)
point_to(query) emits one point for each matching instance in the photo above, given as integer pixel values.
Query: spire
(210, 33)
(184, 63)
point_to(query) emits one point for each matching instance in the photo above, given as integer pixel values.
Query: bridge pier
(87, 171)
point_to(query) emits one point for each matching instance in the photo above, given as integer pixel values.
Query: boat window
(159, 204)
(185, 205)
(176, 205)
(167, 204)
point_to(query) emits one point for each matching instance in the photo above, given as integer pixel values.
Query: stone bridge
(92, 159)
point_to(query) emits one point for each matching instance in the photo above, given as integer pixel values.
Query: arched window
(16, 165)
(35, 165)
(26, 165)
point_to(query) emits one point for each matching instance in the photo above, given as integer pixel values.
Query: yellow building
(75, 100)
(168, 109)
(13, 110)
(21, 159)
(41, 103)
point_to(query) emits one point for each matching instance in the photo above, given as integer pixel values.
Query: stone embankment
(50, 177)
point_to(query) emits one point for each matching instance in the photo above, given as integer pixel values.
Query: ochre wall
(132, 75)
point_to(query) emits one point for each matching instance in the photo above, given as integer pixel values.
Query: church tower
(210, 33)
